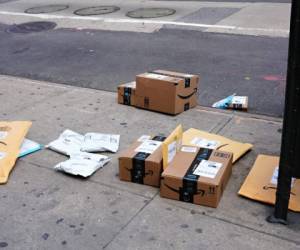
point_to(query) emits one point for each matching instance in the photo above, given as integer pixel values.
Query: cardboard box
(261, 183)
(197, 175)
(199, 138)
(239, 103)
(142, 162)
(126, 93)
(166, 94)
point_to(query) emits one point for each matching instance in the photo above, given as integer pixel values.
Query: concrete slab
(24, 96)
(259, 16)
(42, 209)
(163, 226)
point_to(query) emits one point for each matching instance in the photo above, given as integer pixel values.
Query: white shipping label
(2, 155)
(144, 138)
(204, 143)
(148, 146)
(189, 149)
(156, 76)
(3, 135)
(275, 177)
(239, 100)
(208, 169)
(172, 148)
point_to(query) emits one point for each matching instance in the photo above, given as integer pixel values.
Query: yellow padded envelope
(195, 137)
(12, 135)
(260, 185)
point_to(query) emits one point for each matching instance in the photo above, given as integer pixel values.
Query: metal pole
(289, 164)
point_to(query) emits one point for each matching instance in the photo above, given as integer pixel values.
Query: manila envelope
(195, 137)
(261, 183)
(12, 135)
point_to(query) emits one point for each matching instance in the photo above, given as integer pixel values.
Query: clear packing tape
(195, 137)
(12, 135)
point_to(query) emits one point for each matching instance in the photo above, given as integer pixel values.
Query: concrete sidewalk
(44, 209)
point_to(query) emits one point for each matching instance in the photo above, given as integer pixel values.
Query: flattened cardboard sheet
(12, 135)
(195, 137)
(260, 185)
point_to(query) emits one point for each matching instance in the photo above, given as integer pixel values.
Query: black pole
(289, 159)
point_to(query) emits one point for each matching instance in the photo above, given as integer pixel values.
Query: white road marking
(147, 21)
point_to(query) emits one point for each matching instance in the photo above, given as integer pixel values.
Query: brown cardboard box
(239, 103)
(126, 93)
(197, 175)
(261, 183)
(142, 162)
(167, 94)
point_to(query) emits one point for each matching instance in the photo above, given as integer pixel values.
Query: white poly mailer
(96, 142)
(83, 164)
(69, 142)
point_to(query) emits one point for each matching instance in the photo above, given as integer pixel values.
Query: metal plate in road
(150, 12)
(46, 9)
(31, 27)
(96, 10)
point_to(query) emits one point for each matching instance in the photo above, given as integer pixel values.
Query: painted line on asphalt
(147, 21)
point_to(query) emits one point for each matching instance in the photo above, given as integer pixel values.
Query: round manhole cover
(97, 10)
(31, 27)
(46, 9)
(150, 12)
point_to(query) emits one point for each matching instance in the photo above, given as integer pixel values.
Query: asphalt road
(246, 65)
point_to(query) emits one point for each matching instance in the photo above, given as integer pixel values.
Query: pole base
(274, 220)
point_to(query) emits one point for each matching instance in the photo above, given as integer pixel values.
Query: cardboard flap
(259, 186)
(171, 145)
(195, 137)
(12, 135)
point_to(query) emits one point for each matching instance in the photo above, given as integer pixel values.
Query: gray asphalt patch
(31, 27)
(226, 63)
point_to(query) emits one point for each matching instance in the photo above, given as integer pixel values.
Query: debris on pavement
(224, 103)
(12, 135)
(233, 102)
(195, 137)
(82, 164)
(29, 147)
(261, 183)
(239, 103)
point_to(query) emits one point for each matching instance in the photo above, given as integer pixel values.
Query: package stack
(187, 166)
(162, 91)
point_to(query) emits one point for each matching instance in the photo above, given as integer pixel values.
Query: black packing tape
(190, 180)
(138, 163)
(127, 96)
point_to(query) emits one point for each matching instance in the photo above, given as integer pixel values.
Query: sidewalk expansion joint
(240, 225)
(96, 182)
(130, 220)
(225, 124)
